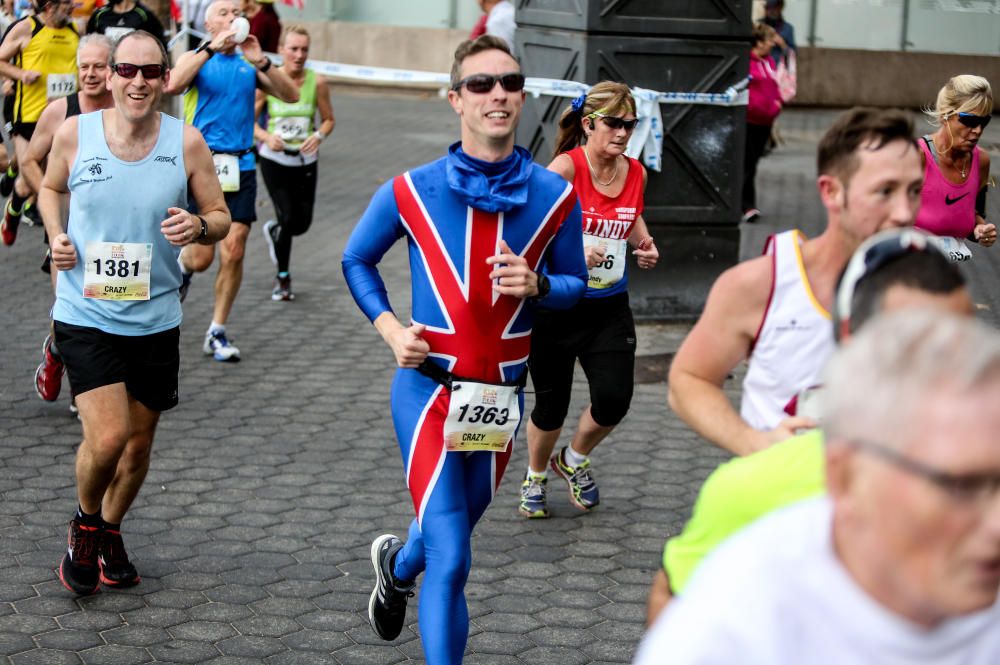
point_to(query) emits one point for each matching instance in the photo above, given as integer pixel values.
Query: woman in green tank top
(288, 149)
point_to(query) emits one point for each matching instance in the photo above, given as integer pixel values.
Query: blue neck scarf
(489, 186)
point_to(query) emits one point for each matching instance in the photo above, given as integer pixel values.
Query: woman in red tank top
(956, 170)
(598, 331)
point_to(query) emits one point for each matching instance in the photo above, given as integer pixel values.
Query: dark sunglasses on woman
(971, 120)
(128, 71)
(615, 122)
(483, 83)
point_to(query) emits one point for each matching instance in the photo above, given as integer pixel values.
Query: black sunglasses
(128, 71)
(971, 120)
(482, 83)
(615, 122)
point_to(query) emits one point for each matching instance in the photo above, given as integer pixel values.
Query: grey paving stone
(366, 654)
(554, 656)
(113, 654)
(69, 640)
(224, 612)
(26, 624)
(12, 643)
(250, 646)
(553, 636)
(326, 620)
(325, 641)
(203, 631)
(267, 626)
(184, 651)
(290, 658)
(500, 643)
(45, 657)
(136, 636)
(160, 617)
(503, 622)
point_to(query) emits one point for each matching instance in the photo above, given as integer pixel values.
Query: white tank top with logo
(794, 340)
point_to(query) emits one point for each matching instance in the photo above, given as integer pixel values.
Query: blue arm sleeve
(375, 233)
(565, 264)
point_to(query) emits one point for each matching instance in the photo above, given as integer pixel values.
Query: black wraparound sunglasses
(482, 83)
(971, 120)
(614, 122)
(128, 71)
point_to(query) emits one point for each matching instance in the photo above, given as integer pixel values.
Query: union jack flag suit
(472, 331)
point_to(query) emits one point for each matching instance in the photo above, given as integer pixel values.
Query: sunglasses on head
(615, 122)
(971, 120)
(128, 71)
(482, 83)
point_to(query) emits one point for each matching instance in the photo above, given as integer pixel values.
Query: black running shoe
(7, 181)
(116, 570)
(31, 215)
(79, 571)
(387, 606)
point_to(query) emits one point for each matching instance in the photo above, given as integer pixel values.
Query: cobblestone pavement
(272, 476)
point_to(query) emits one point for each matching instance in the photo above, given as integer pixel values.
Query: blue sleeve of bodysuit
(375, 233)
(565, 264)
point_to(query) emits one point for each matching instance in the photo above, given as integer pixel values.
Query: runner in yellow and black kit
(43, 50)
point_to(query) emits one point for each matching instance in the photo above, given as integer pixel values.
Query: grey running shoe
(282, 289)
(533, 497)
(582, 488)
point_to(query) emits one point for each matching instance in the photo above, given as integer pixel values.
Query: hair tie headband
(577, 104)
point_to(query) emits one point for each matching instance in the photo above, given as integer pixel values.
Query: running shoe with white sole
(217, 345)
(387, 605)
(582, 488)
(533, 504)
(282, 289)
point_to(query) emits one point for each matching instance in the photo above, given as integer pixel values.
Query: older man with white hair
(219, 80)
(900, 561)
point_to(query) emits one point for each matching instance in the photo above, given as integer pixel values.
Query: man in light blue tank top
(117, 311)
(219, 84)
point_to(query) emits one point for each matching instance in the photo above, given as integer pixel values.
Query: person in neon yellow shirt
(892, 270)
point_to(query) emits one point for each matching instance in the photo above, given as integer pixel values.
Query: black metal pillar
(693, 204)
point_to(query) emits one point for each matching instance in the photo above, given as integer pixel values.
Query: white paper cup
(242, 28)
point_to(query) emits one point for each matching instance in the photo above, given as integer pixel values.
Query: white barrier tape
(647, 139)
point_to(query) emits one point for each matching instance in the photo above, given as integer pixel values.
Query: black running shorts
(148, 365)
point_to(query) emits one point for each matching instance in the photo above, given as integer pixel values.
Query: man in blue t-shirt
(117, 314)
(219, 82)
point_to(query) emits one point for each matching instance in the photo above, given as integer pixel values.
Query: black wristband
(267, 65)
(205, 48)
(204, 229)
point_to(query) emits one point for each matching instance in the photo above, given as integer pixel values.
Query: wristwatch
(543, 286)
(205, 48)
(267, 65)
(204, 229)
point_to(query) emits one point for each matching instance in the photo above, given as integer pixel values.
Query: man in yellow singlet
(39, 55)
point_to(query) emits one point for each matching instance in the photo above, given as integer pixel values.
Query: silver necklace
(964, 169)
(593, 172)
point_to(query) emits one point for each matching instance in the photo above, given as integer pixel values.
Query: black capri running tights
(600, 333)
(293, 192)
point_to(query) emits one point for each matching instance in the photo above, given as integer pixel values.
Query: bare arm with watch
(212, 224)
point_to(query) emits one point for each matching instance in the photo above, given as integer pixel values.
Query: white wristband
(319, 136)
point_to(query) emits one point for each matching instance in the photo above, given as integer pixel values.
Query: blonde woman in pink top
(956, 170)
